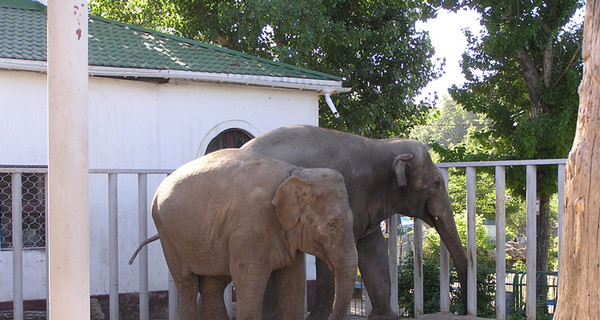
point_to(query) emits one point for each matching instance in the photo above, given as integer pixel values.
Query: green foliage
(448, 125)
(431, 296)
(485, 198)
(431, 252)
(163, 17)
(485, 245)
(522, 74)
(431, 281)
(372, 44)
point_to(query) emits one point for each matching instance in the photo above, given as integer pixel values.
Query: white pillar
(68, 203)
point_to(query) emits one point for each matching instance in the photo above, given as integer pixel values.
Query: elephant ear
(290, 200)
(400, 164)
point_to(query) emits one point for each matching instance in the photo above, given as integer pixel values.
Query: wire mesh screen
(33, 210)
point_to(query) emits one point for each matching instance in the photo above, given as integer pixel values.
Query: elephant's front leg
(374, 268)
(250, 280)
(325, 292)
(250, 267)
(284, 297)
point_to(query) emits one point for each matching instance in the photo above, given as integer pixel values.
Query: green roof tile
(115, 44)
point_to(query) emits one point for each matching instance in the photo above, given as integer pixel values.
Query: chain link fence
(33, 190)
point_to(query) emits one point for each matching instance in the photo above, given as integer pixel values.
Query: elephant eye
(331, 225)
(436, 183)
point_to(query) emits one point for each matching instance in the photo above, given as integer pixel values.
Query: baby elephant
(235, 214)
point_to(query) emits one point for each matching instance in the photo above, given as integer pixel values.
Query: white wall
(133, 125)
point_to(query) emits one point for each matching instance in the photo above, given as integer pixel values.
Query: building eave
(321, 86)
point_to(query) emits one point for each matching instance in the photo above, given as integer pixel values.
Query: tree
(523, 75)
(449, 126)
(450, 133)
(372, 44)
(578, 293)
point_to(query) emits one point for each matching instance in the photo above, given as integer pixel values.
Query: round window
(231, 138)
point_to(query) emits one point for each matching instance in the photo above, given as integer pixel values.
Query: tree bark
(532, 79)
(543, 245)
(578, 293)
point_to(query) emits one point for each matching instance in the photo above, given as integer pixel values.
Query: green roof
(118, 45)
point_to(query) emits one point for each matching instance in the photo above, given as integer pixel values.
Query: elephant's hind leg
(211, 293)
(187, 289)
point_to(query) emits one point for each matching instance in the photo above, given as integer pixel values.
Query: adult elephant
(383, 177)
(235, 214)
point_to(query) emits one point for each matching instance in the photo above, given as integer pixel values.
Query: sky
(446, 32)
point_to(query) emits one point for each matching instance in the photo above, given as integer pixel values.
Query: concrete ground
(436, 316)
(448, 316)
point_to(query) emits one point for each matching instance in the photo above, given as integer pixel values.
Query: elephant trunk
(344, 270)
(449, 234)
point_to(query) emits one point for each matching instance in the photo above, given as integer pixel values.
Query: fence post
(393, 260)
(500, 242)
(143, 235)
(561, 207)
(444, 264)
(418, 266)
(113, 245)
(471, 243)
(173, 299)
(531, 191)
(17, 242)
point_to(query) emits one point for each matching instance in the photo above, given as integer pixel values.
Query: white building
(156, 101)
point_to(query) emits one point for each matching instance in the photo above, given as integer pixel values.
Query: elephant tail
(143, 244)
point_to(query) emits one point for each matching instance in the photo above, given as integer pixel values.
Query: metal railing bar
(131, 171)
(500, 242)
(23, 167)
(530, 233)
(444, 265)
(561, 207)
(44, 169)
(143, 235)
(506, 163)
(15, 169)
(418, 266)
(113, 245)
(471, 242)
(393, 260)
(173, 299)
(17, 242)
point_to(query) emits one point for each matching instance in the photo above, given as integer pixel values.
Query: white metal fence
(500, 182)
(32, 209)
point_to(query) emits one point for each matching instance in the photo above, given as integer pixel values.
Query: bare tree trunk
(580, 256)
(543, 235)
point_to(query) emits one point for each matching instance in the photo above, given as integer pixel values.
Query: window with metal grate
(33, 205)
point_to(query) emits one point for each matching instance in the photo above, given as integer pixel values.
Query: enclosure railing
(32, 212)
(500, 181)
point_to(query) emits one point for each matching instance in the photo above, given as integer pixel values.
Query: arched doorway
(230, 138)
